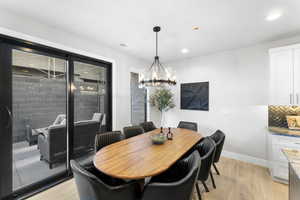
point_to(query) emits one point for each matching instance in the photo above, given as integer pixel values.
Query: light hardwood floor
(238, 181)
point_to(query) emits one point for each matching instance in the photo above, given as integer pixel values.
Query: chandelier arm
(161, 65)
(151, 66)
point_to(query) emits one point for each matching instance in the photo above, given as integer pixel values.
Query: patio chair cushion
(59, 119)
(97, 116)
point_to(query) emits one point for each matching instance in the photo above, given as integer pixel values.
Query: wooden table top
(137, 157)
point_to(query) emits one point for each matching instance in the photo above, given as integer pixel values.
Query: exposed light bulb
(141, 77)
(154, 75)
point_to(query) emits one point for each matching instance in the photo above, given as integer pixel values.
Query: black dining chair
(98, 186)
(148, 126)
(177, 183)
(206, 149)
(188, 125)
(104, 139)
(131, 131)
(219, 138)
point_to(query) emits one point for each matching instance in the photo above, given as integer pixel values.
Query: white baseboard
(245, 158)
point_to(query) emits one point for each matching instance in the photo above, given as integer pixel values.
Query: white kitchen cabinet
(278, 163)
(285, 75)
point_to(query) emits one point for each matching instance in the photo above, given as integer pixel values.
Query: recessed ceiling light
(184, 50)
(86, 72)
(273, 15)
(123, 45)
(195, 28)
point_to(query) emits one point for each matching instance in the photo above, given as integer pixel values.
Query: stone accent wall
(87, 103)
(37, 101)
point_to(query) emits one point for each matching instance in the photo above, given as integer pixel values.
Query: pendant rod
(156, 29)
(156, 44)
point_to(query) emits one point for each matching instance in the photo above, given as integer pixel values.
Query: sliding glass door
(52, 105)
(39, 103)
(90, 110)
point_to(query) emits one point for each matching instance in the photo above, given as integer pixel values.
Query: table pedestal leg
(142, 184)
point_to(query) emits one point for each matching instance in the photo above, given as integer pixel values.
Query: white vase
(162, 120)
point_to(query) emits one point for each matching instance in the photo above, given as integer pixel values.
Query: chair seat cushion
(106, 179)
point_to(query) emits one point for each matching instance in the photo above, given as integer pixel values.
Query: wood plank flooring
(244, 181)
(238, 181)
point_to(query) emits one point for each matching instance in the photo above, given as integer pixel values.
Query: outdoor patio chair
(32, 133)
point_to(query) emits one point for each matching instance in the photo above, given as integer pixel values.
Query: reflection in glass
(89, 110)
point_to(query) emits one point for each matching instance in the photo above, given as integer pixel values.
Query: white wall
(30, 29)
(239, 82)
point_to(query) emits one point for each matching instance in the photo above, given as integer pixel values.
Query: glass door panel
(39, 103)
(90, 108)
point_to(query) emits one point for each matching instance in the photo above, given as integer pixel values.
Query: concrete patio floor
(28, 169)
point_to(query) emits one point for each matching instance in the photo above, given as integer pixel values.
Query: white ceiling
(224, 24)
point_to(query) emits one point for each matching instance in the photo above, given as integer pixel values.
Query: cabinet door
(294, 184)
(297, 75)
(280, 171)
(281, 77)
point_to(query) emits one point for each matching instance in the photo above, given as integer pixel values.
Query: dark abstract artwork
(194, 96)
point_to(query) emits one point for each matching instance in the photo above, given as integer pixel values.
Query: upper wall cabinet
(285, 75)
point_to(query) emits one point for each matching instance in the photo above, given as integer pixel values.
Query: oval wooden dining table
(137, 158)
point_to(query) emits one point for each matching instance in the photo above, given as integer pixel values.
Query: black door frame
(5, 120)
(8, 43)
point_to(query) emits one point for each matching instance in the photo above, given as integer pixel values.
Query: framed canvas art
(194, 96)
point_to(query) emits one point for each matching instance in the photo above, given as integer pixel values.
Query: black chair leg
(216, 168)
(205, 186)
(198, 191)
(212, 179)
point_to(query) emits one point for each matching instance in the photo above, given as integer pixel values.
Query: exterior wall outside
(37, 102)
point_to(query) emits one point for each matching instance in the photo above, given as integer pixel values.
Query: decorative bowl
(158, 138)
